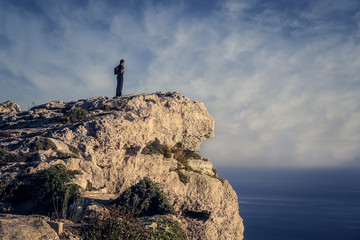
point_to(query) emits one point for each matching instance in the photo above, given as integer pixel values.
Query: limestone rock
(108, 147)
(17, 227)
(9, 106)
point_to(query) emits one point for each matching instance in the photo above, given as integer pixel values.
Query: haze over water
(297, 204)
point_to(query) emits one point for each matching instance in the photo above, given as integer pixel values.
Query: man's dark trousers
(120, 80)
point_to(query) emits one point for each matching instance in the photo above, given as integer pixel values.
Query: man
(119, 70)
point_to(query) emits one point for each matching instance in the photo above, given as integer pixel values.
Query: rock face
(109, 148)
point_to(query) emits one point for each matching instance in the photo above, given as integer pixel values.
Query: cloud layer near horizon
(280, 78)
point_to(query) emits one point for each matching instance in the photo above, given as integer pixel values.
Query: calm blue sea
(297, 204)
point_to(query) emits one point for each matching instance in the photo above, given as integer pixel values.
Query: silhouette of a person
(120, 77)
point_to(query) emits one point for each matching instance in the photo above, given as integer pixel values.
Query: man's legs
(120, 80)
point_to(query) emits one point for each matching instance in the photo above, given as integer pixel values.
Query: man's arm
(122, 69)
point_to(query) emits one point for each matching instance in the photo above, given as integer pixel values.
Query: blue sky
(281, 78)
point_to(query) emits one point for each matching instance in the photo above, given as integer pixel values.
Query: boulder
(9, 107)
(17, 227)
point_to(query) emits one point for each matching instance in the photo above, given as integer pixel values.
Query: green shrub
(74, 150)
(48, 191)
(3, 186)
(167, 229)
(42, 144)
(183, 155)
(113, 229)
(63, 155)
(178, 152)
(145, 198)
(191, 154)
(182, 177)
(156, 147)
(76, 211)
(8, 157)
(5, 156)
(74, 115)
(150, 101)
(89, 186)
(46, 144)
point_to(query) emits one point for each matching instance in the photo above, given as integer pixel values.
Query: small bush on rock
(191, 154)
(145, 199)
(114, 229)
(182, 177)
(150, 101)
(89, 186)
(63, 155)
(8, 157)
(183, 155)
(74, 115)
(3, 187)
(5, 156)
(48, 191)
(42, 144)
(74, 150)
(156, 147)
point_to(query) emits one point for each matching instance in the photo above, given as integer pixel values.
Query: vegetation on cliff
(7, 156)
(178, 152)
(145, 199)
(112, 228)
(51, 192)
(42, 144)
(156, 147)
(46, 192)
(74, 115)
(122, 221)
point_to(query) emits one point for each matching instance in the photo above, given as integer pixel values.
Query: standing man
(119, 70)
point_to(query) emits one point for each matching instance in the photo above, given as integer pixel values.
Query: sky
(281, 78)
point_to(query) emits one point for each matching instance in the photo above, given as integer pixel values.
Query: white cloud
(278, 96)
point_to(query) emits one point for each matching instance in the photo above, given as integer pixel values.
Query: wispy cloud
(281, 78)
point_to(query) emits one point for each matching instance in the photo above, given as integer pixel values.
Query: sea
(297, 203)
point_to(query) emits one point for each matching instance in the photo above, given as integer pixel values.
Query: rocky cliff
(115, 143)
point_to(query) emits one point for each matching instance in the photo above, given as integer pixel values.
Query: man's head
(122, 61)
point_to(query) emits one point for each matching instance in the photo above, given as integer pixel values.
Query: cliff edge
(115, 142)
